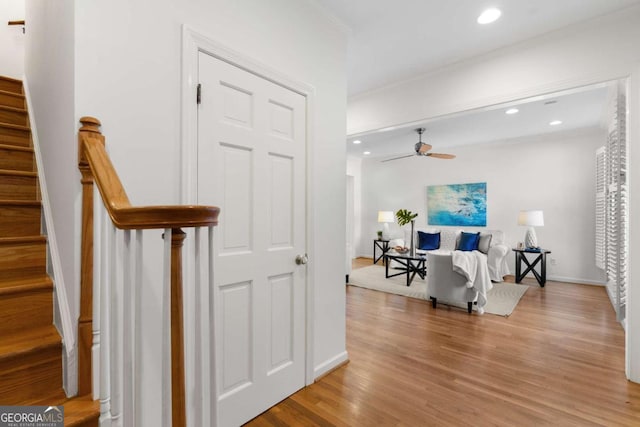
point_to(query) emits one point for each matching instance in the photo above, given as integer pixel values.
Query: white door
(251, 163)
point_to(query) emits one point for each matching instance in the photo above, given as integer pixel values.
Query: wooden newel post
(177, 332)
(90, 129)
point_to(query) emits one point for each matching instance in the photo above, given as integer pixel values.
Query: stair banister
(95, 166)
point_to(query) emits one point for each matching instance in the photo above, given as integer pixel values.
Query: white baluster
(116, 332)
(128, 286)
(137, 331)
(98, 212)
(213, 385)
(197, 334)
(105, 324)
(166, 330)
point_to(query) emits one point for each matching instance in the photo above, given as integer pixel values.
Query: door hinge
(199, 94)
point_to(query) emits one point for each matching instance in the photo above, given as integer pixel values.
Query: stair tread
(19, 173)
(18, 240)
(10, 79)
(16, 148)
(24, 341)
(29, 284)
(81, 409)
(11, 85)
(13, 109)
(16, 127)
(22, 203)
(76, 409)
(9, 93)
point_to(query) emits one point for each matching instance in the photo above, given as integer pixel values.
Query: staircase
(30, 346)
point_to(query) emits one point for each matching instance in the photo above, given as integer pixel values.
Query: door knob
(302, 259)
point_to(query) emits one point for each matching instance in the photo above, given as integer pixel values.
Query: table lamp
(385, 217)
(531, 219)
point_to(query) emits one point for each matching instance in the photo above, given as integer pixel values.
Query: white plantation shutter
(601, 209)
(612, 207)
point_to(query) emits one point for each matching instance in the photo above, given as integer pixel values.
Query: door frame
(194, 42)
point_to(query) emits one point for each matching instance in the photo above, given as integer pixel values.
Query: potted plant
(405, 217)
(379, 234)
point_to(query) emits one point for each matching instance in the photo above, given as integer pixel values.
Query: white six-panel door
(251, 163)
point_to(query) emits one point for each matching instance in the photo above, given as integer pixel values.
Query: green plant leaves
(405, 217)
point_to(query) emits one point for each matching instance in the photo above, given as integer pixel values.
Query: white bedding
(473, 266)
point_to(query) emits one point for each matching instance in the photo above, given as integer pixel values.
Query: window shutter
(601, 212)
(617, 208)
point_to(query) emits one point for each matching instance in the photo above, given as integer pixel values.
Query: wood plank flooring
(558, 360)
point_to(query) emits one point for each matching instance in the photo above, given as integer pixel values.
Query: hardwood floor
(558, 360)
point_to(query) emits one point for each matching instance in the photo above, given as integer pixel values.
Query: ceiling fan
(422, 149)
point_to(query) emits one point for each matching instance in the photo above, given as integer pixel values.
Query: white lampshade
(531, 218)
(385, 216)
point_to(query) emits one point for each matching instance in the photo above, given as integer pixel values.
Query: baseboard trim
(330, 365)
(563, 279)
(576, 280)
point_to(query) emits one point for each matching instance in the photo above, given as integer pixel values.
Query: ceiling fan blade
(397, 158)
(441, 156)
(424, 148)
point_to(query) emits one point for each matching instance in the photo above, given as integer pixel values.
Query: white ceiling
(576, 109)
(395, 41)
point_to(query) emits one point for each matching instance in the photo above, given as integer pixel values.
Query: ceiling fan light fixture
(489, 15)
(422, 149)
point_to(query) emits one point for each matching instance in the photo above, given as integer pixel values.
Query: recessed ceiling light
(357, 141)
(489, 16)
(366, 153)
(555, 123)
(512, 111)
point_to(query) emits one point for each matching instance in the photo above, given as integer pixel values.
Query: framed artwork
(457, 204)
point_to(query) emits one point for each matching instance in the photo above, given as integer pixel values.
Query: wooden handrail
(95, 166)
(124, 216)
(17, 23)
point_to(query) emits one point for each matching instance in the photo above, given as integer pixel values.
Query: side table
(383, 246)
(411, 265)
(540, 258)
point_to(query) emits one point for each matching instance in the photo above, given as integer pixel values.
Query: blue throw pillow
(468, 241)
(428, 241)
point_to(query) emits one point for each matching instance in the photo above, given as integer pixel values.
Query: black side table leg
(543, 270)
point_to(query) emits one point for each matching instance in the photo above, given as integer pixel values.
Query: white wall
(11, 39)
(554, 173)
(49, 69)
(354, 169)
(128, 59)
(595, 51)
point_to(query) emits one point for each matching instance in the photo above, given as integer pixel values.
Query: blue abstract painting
(457, 204)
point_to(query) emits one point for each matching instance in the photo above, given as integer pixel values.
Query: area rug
(502, 299)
